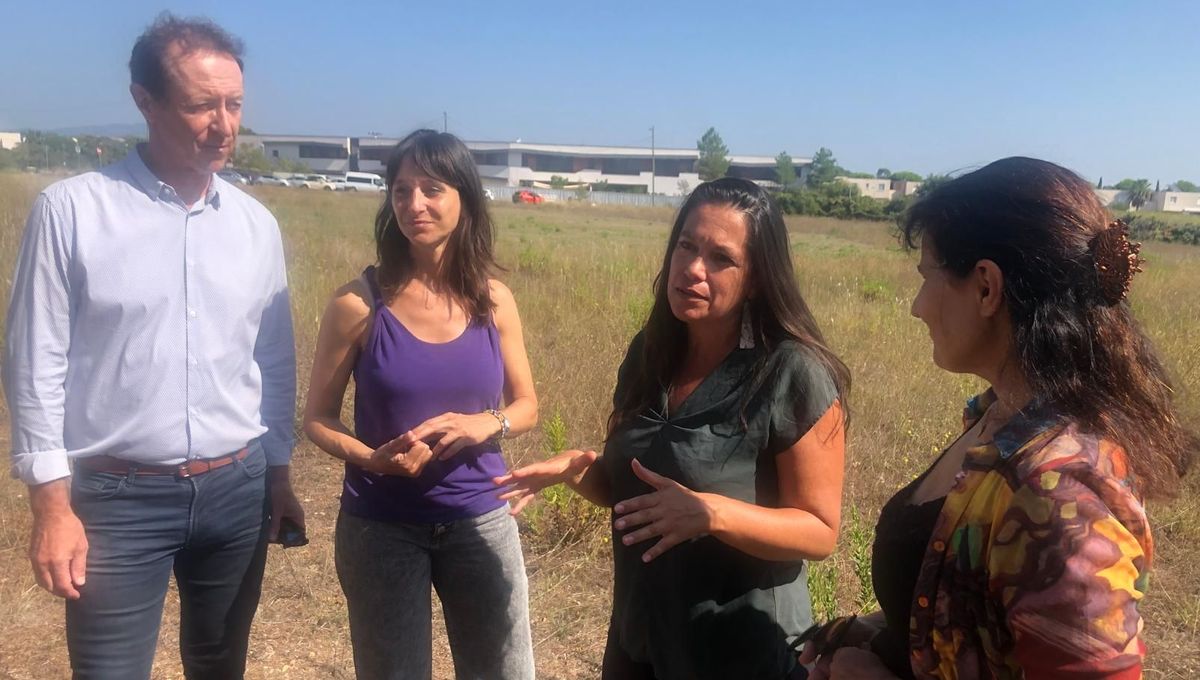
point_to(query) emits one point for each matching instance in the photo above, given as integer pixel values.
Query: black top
(704, 609)
(901, 536)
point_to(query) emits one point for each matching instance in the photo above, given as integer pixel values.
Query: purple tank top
(401, 381)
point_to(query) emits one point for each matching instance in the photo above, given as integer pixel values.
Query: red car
(526, 196)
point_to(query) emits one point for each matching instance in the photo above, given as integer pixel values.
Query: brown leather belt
(198, 466)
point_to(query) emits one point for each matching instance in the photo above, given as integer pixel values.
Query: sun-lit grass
(582, 280)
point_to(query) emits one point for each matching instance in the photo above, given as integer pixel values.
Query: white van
(364, 181)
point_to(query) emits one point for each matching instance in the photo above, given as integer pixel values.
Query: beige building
(1173, 201)
(882, 189)
(10, 140)
(872, 188)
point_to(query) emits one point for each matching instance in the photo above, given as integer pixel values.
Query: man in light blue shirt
(150, 375)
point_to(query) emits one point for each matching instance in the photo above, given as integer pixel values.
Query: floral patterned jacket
(1037, 561)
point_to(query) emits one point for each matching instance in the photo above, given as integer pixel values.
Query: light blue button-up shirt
(145, 330)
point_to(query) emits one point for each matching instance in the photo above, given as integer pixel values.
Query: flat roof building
(662, 171)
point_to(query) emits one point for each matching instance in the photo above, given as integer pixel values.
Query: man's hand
(57, 545)
(283, 500)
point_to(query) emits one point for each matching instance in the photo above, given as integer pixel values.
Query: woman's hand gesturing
(522, 484)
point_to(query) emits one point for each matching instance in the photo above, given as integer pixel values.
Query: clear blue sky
(1110, 89)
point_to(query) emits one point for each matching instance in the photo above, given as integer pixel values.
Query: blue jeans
(208, 529)
(386, 570)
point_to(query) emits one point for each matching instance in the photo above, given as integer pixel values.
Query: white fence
(502, 192)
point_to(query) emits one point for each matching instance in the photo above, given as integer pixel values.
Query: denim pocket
(254, 465)
(96, 486)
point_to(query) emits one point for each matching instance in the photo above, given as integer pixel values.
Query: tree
(907, 176)
(1139, 192)
(684, 187)
(824, 168)
(1100, 182)
(557, 181)
(243, 130)
(883, 173)
(1184, 185)
(785, 170)
(1128, 184)
(251, 157)
(714, 156)
(932, 182)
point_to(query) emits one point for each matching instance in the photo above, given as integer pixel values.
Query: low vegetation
(582, 278)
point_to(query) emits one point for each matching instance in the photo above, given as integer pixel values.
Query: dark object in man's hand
(291, 535)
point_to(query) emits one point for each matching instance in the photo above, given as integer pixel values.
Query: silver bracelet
(505, 426)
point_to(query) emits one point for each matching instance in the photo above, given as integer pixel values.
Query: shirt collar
(1036, 417)
(155, 188)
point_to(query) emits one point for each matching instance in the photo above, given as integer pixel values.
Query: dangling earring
(746, 341)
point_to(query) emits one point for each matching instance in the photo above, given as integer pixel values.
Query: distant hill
(110, 130)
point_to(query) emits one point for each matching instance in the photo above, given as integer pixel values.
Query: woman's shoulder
(500, 293)
(350, 305)
(790, 361)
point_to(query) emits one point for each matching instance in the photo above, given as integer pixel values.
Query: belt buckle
(183, 471)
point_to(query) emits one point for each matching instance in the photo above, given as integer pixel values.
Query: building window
(1172, 199)
(324, 151)
(275, 153)
(490, 157)
(374, 153)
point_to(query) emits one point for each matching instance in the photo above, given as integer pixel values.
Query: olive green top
(704, 609)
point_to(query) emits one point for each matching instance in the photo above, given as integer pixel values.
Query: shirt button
(192, 361)
(923, 601)
(939, 546)
(191, 312)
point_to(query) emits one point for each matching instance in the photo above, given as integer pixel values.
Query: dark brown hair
(777, 309)
(1079, 346)
(468, 260)
(147, 63)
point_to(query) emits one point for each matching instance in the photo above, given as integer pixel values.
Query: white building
(10, 140)
(662, 171)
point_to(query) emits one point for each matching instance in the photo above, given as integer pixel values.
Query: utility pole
(652, 164)
(443, 121)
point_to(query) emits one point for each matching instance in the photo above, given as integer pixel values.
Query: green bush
(1168, 227)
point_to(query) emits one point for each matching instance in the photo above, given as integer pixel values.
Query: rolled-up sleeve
(275, 354)
(37, 340)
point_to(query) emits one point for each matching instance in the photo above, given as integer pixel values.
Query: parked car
(335, 184)
(322, 182)
(527, 196)
(232, 176)
(364, 181)
(273, 181)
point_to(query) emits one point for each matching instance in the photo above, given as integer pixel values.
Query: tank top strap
(372, 283)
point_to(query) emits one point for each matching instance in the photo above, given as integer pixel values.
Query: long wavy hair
(778, 311)
(469, 260)
(1078, 345)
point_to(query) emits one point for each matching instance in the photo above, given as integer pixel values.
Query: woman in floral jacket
(1023, 551)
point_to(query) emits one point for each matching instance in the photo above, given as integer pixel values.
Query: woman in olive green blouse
(724, 458)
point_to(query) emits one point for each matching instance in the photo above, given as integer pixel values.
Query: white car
(273, 181)
(334, 184)
(231, 176)
(364, 181)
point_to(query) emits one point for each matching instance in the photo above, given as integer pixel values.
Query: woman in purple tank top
(441, 376)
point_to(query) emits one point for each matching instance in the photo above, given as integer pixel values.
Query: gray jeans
(475, 564)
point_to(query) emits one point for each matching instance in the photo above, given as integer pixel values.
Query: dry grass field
(582, 279)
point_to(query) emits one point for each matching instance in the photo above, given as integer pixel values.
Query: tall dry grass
(582, 281)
